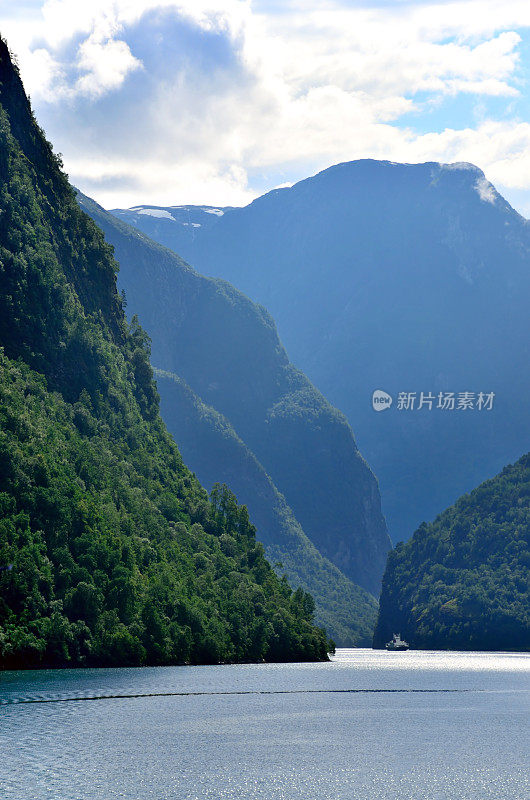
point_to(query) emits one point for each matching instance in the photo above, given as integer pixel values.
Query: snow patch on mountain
(156, 212)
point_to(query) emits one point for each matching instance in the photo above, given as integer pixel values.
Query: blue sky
(217, 101)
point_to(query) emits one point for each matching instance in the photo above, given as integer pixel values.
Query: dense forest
(227, 349)
(110, 550)
(462, 582)
(242, 414)
(212, 448)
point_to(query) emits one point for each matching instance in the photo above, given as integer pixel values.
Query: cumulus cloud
(212, 101)
(104, 63)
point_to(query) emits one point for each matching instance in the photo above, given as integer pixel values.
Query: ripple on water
(299, 741)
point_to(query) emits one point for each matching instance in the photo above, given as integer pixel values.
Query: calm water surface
(433, 726)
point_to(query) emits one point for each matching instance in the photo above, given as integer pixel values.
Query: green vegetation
(243, 415)
(211, 447)
(118, 557)
(116, 554)
(227, 351)
(462, 582)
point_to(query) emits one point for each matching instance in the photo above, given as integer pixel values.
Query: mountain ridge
(244, 334)
(405, 278)
(346, 611)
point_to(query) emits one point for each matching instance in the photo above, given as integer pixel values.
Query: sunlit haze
(217, 101)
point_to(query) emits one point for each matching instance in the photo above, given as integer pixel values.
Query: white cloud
(102, 57)
(170, 183)
(486, 191)
(290, 93)
(502, 148)
(105, 63)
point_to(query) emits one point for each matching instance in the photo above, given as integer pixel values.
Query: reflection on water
(433, 660)
(367, 725)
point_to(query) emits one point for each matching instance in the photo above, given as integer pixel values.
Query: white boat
(397, 643)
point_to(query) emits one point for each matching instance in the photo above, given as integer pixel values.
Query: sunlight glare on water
(370, 725)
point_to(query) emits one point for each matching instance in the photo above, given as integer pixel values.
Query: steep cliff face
(111, 551)
(402, 277)
(227, 350)
(461, 582)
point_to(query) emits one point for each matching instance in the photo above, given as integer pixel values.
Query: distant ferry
(397, 643)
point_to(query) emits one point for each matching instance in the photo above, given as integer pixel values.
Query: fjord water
(370, 724)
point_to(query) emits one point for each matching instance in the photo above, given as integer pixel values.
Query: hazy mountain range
(394, 277)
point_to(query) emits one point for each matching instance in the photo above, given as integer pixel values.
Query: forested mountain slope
(462, 581)
(212, 448)
(111, 551)
(225, 349)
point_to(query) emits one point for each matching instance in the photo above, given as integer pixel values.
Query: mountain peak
(383, 276)
(374, 168)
